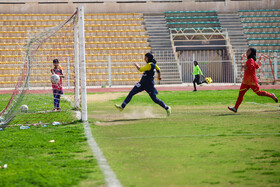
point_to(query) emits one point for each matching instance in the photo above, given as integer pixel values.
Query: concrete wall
(141, 6)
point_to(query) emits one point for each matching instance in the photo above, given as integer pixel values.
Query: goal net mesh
(33, 87)
(265, 73)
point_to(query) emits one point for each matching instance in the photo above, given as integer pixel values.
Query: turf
(201, 144)
(34, 161)
(40, 109)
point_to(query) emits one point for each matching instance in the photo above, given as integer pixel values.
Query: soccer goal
(266, 71)
(35, 99)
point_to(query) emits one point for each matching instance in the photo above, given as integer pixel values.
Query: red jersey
(58, 86)
(250, 77)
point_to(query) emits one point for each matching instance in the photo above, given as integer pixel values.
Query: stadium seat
(119, 35)
(262, 28)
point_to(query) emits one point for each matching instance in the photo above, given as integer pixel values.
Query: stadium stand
(125, 37)
(199, 35)
(160, 43)
(180, 22)
(262, 28)
(119, 35)
(191, 19)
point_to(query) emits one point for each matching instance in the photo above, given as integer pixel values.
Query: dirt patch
(104, 97)
(111, 123)
(129, 116)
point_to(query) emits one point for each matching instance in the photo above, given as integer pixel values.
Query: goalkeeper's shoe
(168, 111)
(232, 109)
(119, 107)
(275, 98)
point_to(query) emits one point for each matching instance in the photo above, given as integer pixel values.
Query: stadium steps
(239, 42)
(160, 43)
(158, 32)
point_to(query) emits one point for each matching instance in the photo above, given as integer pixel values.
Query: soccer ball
(23, 108)
(208, 80)
(55, 78)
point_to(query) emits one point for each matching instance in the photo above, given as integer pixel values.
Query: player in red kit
(250, 80)
(57, 88)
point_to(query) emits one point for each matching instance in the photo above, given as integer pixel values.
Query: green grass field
(39, 107)
(201, 144)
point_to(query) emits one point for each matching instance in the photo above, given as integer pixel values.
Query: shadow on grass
(134, 119)
(272, 110)
(226, 114)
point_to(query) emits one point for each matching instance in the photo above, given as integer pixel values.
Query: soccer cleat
(275, 98)
(168, 111)
(232, 109)
(119, 107)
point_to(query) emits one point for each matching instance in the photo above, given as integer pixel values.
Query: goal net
(35, 100)
(265, 73)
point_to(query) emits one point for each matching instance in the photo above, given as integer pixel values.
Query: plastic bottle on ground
(24, 127)
(56, 123)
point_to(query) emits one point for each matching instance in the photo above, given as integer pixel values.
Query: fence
(220, 72)
(121, 71)
(213, 63)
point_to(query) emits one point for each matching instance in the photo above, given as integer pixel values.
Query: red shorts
(246, 87)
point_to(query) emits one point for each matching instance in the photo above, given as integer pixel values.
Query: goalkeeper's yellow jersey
(197, 70)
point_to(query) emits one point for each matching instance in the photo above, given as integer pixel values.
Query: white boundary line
(189, 136)
(110, 176)
(264, 105)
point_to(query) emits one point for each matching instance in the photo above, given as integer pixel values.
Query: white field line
(264, 105)
(110, 176)
(189, 136)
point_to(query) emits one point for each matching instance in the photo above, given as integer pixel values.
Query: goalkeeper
(146, 83)
(57, 88)
(197, 72)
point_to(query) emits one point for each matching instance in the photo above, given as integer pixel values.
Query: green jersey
(197, 70)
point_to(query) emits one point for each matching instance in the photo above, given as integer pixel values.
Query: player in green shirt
(197, 72)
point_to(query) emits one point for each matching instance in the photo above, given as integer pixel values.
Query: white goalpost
(83, 63)
(65, 42)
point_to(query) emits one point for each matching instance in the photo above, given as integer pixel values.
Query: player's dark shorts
(150, 88)
(57, 92)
